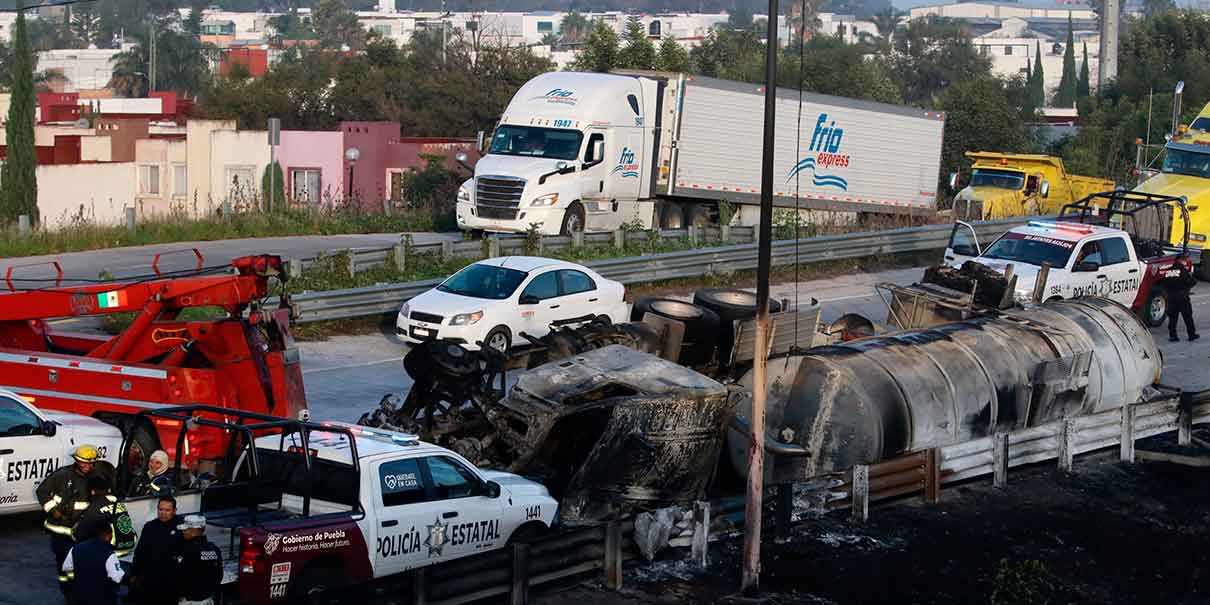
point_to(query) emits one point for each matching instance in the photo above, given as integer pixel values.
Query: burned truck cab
(614, 430)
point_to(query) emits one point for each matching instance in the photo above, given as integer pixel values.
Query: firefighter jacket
(106, 509)
(64, 495)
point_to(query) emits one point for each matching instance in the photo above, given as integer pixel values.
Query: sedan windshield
(1191, 163)
(537, 142)
(1002, 179)
(484, 281)
(1031, 250)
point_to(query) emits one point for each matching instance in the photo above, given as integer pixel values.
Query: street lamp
(352, 154)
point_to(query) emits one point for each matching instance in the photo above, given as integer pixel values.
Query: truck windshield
(550, 143)
(1001, 179)
(1031, 250)
(1191, 163)
(484, 281)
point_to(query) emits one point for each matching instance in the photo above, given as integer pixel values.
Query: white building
(82, 69)
(1000, 10)
(1015, 44)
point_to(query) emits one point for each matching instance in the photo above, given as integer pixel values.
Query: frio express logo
(627, 164)
(557, 95)
(823, 154)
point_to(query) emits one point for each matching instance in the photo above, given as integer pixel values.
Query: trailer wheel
(672, 216)
(573, 219)
(701, 326)
(1156, 309)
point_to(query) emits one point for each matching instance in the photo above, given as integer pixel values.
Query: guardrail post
(785, 510)
(1184, 419)
(577, 239)
(619, 239)
(294, 267)
(1127, 450)
(932, 475)
(1067, 445)
(861, 493)
(701, 533)
(420, 589)
(613, 555)
(519, 594)
(447, 250)
(130, 219)
(23, 224)
(1000, 459)
(724, 233)
(400, 256)
(493, 247)
(352, 264)
(386, 207)
(693, 234)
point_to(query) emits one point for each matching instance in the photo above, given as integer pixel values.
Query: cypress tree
(18, 177)
(1066, 95)
(1039, 78)
(1084, 87)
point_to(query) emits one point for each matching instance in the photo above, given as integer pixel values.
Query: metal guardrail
(719, 260)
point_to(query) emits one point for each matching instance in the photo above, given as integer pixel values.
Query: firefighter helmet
(86, 453)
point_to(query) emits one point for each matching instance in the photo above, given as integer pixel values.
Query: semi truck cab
(571, 151)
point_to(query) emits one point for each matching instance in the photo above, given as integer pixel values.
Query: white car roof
(529, 263)
(1063, 230)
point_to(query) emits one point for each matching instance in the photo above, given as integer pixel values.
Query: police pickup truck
(35, 443)
(313, 507)
(1084, 260)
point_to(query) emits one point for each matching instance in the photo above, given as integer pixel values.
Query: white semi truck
(593, 151)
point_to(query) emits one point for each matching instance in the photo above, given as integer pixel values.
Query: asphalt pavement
(137, 260)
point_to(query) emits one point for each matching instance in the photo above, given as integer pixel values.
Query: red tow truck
(246, 360)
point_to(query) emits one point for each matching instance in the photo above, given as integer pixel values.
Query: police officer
(158, 479)
(155, 556)
(1177, 283)
(199, 564)
(94, 568)
(64, 496)
(105, 508)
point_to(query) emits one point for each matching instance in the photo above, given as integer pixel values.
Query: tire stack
(731, 305)
(701, 326)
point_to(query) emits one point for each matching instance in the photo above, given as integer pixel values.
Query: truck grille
(498, 196)
(426, 317)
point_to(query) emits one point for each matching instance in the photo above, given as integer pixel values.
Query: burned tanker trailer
(876, 398)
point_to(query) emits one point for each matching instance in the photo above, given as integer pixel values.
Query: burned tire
(1155, 310)
(731, 305)
(701, 326)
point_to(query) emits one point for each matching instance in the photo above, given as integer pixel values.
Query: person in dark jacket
(1177, 282)
(199, 571)
(64, 496)
(105, 508)
(158, 480)
(94, 569)
(155, 555)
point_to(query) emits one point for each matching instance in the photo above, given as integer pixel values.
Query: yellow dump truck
(1185, 172)
(1016, 184)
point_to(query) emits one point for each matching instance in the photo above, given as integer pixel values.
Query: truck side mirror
(528, 299)
(953, 182)
(1045, 189)
(49, 428)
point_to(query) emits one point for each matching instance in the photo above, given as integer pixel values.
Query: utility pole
(1107, 71)
(753, 503)
(151, 62)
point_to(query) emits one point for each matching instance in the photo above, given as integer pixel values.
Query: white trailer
(590, 151)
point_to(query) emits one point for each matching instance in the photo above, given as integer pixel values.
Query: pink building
(312, 164)
(384, 158)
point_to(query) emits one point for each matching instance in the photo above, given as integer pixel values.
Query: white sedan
(494, 300)
(35, 443)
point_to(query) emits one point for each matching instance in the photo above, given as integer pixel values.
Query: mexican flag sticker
(109, 300)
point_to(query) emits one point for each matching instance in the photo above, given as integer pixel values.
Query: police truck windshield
(1031, 250)
(1001, 179)
(1187, 162)
(537, 142)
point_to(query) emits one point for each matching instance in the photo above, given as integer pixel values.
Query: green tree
(278, 185)
(129, 73)
(290, 26)
(1152, 8)
(638, 52)
(739, 18)
(599, 51)
(978, 115)
(885, 20)
(18, 174)
(574, 27)
(336, 26)
(1065, 96)
(180, 64)
(85, 25)
(932, 54)
(672, 56)
(1038, 85)
(1083, 86)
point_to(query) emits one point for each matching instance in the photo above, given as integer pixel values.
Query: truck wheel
(573, 219)
(1156, 308)
(731, 305)
(316, 585)
(1203, 268)
(701, 326)
(498, 339)
(671, 216)
(696, 215)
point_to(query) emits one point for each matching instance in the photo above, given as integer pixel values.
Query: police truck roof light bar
(1076, 227)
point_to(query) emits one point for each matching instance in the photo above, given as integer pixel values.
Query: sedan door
(539, 305)
(580, 298)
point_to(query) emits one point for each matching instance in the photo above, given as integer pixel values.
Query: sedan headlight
(464, 194)
(466, 319)
(549, 199)
(405, 311)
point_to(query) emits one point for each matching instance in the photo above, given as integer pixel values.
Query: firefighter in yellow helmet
(65, 496)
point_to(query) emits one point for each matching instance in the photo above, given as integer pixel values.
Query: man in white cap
(199, 564)
(158, 480)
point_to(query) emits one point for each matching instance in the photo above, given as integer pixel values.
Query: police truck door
(400, 505)
(27, 455)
